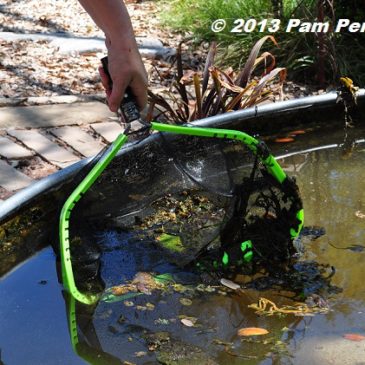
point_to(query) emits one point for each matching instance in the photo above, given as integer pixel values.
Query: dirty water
(147, 329)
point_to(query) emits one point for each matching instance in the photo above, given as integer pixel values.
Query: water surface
(33, 309)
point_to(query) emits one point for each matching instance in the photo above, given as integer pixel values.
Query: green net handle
(66, 263)
(252, 143)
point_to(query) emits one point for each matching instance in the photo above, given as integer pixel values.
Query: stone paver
(53, 115)
(108, 130)
(78, 139)
(11, 150)
(43, 146)
(11, 179)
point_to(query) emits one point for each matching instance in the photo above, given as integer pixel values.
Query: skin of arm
(125, 64)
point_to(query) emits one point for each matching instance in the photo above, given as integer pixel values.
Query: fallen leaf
(187, 322)
(299, 131)
(171, 242)
(252, 331)
(230, 284)
(354, 337)
(284, 140)
(120, 290)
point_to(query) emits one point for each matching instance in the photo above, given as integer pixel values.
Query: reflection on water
(332, 183)
(35, 315)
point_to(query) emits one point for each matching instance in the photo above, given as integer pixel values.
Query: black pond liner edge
(282, 114)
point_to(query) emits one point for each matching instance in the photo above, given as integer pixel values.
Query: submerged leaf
(354, 337)
(170, 242)
(164, 278)
(284, 140)
(187, 322)
(186, 301)
(230, 284)
(252, 331)
(297, 132)
(111, 298)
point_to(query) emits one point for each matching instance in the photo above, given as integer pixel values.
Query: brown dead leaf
(122, 289)
(252, 331)
(353, 337)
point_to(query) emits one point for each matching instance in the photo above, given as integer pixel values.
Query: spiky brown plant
(195, 95)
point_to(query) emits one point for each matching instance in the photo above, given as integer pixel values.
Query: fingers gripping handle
(128, 105)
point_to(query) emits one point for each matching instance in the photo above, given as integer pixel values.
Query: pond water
(34, 310)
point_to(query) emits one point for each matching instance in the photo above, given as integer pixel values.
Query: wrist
(119, 42)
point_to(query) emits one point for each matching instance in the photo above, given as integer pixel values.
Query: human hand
(126, 69)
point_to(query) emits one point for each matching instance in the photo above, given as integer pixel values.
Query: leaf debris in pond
(179, 288)
(360, 215)
(269, 308)
(164, 278)
(252, 331)
(186, 301)
(284, 140)
(122, 289)
(230, 284)
(187, 322)
(297, 132)
(217, 341)
(205, 288)
(171, 242)
(354, 337)
(128, 303)
(150, 306)
(140, 353)
(162, 321)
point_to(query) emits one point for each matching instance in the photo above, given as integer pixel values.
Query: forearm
(112, 17)
(125, 63)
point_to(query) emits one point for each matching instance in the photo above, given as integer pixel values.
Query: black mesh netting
(181, 200)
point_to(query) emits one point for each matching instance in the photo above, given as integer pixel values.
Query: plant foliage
(194, 95)
(309, 57)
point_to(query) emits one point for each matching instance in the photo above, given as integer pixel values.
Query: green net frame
(267, 159)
